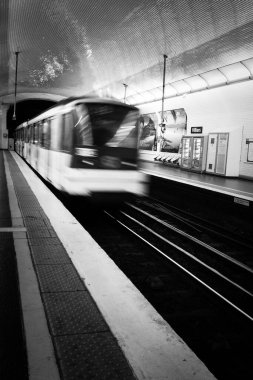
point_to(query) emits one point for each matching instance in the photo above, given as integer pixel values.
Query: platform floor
(12, 348)
(82, 318)
(234, 187)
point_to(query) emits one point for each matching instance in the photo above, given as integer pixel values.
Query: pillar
(3, 126)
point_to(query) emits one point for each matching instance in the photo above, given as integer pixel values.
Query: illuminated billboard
(167, 135)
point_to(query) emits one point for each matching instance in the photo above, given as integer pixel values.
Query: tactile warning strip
(85, 346)
(49, 254)
(59, 277)
(110, 363)
(73, 313)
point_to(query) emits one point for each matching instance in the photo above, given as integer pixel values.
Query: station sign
(196, 129)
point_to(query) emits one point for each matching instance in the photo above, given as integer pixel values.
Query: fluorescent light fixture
(214, 78)
(248, 63)
(181, 87)
(235, 72)
(196, 83)
(169, 91)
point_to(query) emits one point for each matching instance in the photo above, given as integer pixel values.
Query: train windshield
(106, 125)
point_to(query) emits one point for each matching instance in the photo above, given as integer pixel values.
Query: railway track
(198, 278)
(206, 258)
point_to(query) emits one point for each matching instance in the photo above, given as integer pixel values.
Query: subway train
(85, 146)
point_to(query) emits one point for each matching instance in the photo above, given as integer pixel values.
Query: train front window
(83, 127)
(107, 124)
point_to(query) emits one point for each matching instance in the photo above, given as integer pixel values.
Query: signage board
(196, 129)
(241, 201)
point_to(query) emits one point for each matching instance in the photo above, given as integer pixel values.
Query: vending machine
(193, 155)
(186, 152)
(217, 153)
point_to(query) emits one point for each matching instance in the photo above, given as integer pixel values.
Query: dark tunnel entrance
(26, 110)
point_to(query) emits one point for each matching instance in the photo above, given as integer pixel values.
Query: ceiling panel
(75, 47)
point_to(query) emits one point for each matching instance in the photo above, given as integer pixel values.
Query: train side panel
(51, 145)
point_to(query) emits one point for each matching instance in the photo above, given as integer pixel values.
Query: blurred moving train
(85, 146)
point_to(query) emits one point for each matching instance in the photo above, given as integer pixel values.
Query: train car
(85, 146)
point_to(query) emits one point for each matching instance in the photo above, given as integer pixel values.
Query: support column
(3, 126)
(162, 125)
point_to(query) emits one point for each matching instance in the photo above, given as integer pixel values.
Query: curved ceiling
(75, 47)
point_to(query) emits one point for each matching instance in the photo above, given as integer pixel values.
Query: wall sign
(196, 129)
(241, 201)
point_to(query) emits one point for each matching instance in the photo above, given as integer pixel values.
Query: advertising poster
(148, 131)
(169, 136)
(173, 131)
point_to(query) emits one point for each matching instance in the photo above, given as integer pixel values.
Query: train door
(35, 146)
(66, 145)
(61, 146)
(44, 139)
(54, 152)
(22, 142)
(29, 127)
(32, 150)
(25, 143)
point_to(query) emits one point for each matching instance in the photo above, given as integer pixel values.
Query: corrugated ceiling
(76, 47)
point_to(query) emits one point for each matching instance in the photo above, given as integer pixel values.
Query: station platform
(238, 188)
(77, 316)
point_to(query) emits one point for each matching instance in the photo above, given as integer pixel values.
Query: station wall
(222, 109)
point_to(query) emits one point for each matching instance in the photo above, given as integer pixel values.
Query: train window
(127, 134)
(36, 133)
(39, 128)
(27, 134)
(32, 134)
(45, 138)
(83, 127)
(56, 123)
(67, 131)
(105, 121)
